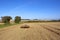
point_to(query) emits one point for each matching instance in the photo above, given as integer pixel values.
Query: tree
(6, 19)
(17, 19)
(59, 20)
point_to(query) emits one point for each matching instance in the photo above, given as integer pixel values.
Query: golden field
(37, 31)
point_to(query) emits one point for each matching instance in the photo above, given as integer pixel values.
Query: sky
(31, 9)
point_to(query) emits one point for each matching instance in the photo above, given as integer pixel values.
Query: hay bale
(25, 26)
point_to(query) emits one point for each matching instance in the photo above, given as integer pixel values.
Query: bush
(25, 26)
(6, 19)
(17, 19)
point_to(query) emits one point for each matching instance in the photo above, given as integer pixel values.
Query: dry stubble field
(37, 31)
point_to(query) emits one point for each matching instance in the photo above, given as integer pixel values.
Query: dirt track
(37, 31)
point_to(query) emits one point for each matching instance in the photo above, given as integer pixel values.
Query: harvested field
(1, 23)
(36, 31)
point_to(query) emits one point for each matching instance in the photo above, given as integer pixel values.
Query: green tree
(6, 19)
(17, 19)
(59, 20)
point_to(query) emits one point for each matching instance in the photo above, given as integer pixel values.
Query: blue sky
(31, 9)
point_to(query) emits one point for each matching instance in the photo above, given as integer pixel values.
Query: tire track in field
(51, 29)
(43, 34)
(40, 31)
(56, 25)
(46, 35)
(51, 34)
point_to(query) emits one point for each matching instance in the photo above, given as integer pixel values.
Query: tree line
(6, 19)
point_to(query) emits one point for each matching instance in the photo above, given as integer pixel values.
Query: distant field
(37, 31)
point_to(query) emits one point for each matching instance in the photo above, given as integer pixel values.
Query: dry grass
(37, 31)
(1, 23)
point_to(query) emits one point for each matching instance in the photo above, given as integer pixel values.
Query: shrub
(6, 19)
(17, 19)
(25, 26)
